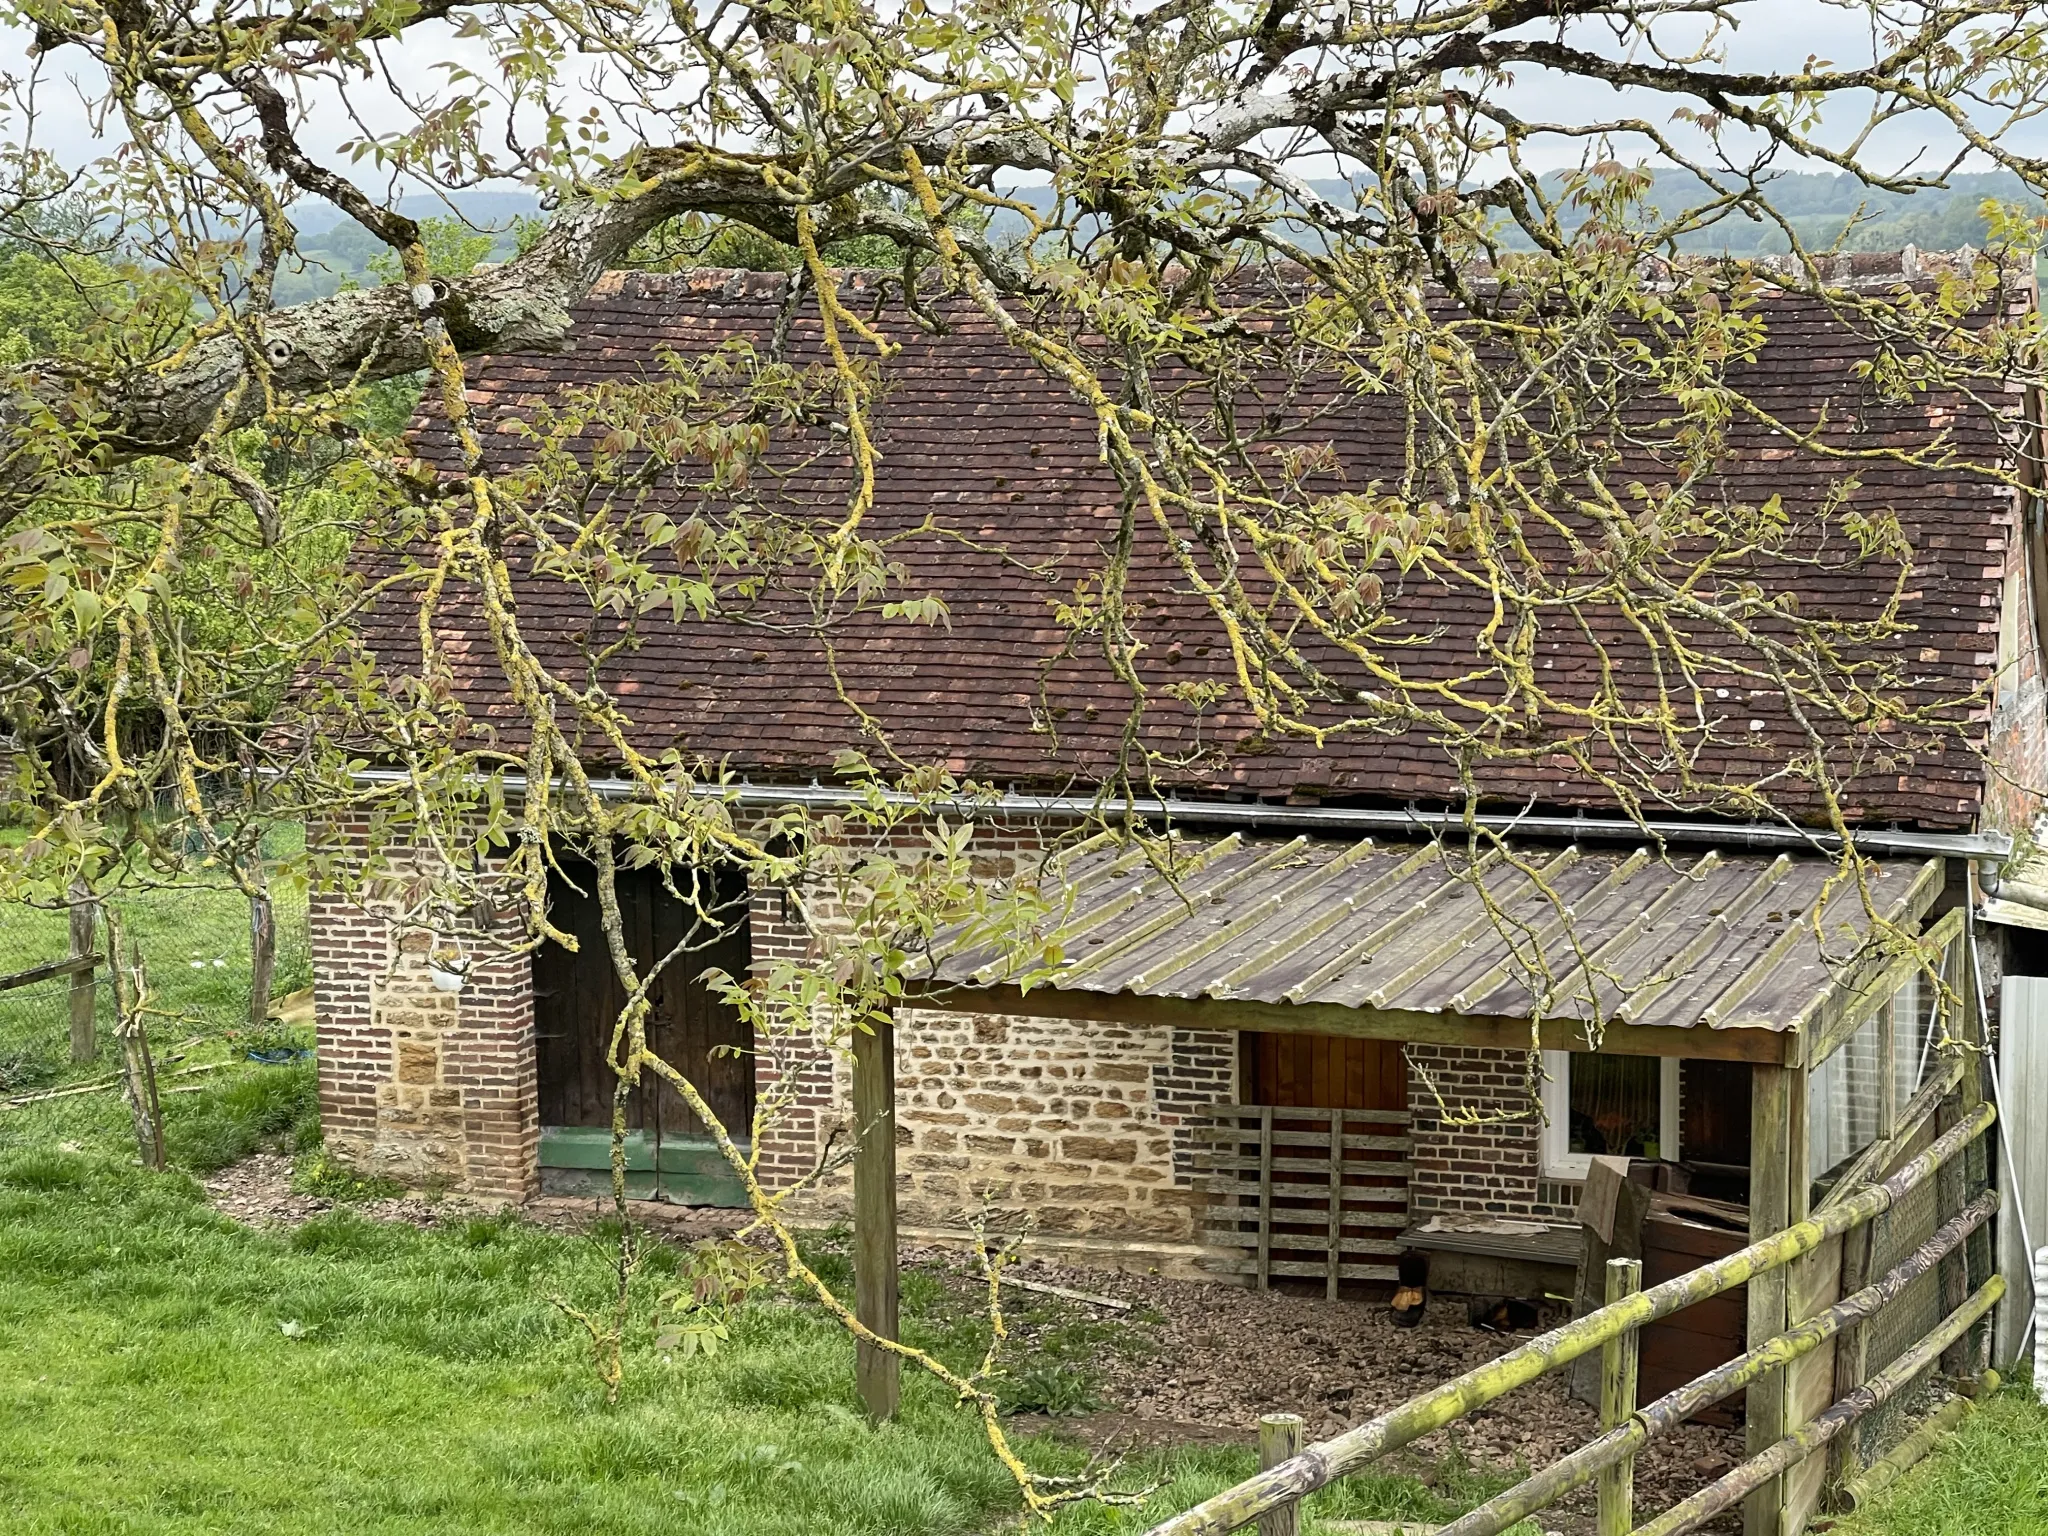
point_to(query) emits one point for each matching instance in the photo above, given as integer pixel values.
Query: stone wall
(1078, 1128)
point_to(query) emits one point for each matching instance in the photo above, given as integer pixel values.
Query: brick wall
(1492, 1166)
(430, 1087)
(1079, 1127)
(2019, 720)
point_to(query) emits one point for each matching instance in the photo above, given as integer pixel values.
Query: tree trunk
(138, 1072)
(84, 919)
(262, 956)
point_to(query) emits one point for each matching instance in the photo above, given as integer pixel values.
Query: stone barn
(1308, 1051)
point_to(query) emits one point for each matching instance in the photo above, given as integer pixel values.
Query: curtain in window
(1845, 1101)
(1614, 1105)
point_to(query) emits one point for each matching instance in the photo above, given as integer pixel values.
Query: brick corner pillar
(490, 1067)
(349, 946)
(796, 1075)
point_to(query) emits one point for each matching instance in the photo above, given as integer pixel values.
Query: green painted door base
(577, 1160)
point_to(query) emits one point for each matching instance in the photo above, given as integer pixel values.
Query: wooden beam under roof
(1754, 1045)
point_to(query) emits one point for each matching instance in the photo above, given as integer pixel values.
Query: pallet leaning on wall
(1319, 1194)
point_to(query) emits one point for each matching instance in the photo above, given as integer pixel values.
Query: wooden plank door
(578, 999)
(691, 1027)
(1325, 1072)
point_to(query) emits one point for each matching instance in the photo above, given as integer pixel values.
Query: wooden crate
(1680, 1235)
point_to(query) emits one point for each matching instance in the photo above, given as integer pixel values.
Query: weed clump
(226, 1121)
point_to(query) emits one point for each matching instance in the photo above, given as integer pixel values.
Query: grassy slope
(148, 1383)
(1988, 1479)
(195, 942)
(166, 1370)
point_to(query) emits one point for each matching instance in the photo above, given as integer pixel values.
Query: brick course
(1493, 1167)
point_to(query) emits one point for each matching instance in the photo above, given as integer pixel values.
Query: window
(1845, 1102)
(1617, 1106)
(1854, 1097)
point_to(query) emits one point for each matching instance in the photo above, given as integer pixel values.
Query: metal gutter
(1261, 817)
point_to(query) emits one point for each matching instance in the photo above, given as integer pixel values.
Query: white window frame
(1559, 1161)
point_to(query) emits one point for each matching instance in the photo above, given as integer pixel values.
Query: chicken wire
(1907, 1320)
(196, 948)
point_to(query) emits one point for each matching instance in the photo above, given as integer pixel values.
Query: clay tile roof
(976, 441)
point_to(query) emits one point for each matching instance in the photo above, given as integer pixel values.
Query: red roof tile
(975, 438)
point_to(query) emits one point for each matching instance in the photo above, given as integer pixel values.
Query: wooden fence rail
(1318, 1465)
(49, 970)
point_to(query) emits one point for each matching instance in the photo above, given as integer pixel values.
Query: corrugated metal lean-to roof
(1724, 940)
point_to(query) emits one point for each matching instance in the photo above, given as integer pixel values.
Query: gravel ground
(1202, 1362)
(258, 1191)
(1224, 1356)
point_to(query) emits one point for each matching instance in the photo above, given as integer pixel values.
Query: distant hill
(1824, 208)
(335, 249)
(1828, 208)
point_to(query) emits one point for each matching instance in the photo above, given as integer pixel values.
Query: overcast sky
(1780, 33)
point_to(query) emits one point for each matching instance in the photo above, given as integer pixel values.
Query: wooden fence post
(84, 920)
(1771, 1178)
(1852, 1356)
(1618, 1360)
(879, 1372)
(138, 1072)
(262, 956)
(1279, 1439)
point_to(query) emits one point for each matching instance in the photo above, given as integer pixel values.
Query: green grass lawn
(195, 945)
(1988, 1479)
(164, 1369)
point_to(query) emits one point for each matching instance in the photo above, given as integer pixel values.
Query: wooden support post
(1980, 1260)
(1951, 1184)
(1279, 1439)
(1618, 1360)
(1336, 1201)
(879, 1372)
(85, 1044)
(1265, 1197)
(1852, 1356)
(138, 1072)
(1771, 1175)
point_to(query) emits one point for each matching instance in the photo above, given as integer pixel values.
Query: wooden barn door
(1325, 1072)
(1311, 1171)
(577, 1001)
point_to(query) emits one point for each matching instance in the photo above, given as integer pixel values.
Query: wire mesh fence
(1905, 1321)
(196, 947)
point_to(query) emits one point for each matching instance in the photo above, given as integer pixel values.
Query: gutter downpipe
(1259, 816)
